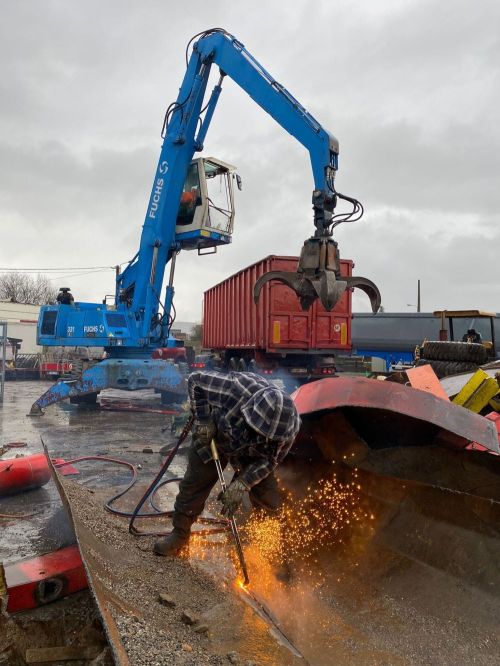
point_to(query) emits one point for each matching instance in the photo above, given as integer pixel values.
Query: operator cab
(206, 209)
(475, 326)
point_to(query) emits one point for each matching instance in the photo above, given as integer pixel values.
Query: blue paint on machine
(181, 214)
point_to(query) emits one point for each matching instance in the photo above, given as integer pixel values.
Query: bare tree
(23, 288)
(196, 336)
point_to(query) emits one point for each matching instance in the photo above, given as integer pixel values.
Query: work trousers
(199, 480)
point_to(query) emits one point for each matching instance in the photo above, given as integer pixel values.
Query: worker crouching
(254, 424)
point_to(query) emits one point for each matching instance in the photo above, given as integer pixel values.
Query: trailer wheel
(454, 351)
(447, 368)
(242, 365)
(233, 363)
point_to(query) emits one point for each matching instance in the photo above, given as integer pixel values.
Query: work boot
(173, 544)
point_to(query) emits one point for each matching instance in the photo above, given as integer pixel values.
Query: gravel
(148, 646)
(163, 607)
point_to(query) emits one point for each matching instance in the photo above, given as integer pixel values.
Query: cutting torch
(232, 520)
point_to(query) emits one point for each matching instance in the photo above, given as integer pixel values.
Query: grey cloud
(402, 165)
(410, 89)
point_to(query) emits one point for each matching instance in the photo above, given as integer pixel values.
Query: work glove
(204, 431)
(232, 498)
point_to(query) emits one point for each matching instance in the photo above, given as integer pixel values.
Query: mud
(70, 622)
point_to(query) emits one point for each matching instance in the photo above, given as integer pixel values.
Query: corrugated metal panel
(276, 323)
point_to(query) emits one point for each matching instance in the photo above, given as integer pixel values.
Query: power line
(56, 270)
(72, 275)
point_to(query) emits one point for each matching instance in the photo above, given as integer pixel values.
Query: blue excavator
(191, 207)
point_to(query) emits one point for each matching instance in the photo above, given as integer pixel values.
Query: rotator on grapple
(183, 214)
(318, 270)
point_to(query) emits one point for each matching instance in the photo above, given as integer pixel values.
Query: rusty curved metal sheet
(98, 591)
(457, 426)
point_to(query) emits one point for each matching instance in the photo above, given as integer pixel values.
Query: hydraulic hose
(154, 486)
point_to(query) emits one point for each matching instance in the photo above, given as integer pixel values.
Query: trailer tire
(447, 368)
(242, 365)
(454, 351)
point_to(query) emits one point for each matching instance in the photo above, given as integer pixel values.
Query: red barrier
(40, 580)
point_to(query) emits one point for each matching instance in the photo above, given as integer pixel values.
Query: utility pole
(418, 295)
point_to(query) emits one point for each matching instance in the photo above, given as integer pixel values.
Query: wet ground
(69, 432)
(391, 587)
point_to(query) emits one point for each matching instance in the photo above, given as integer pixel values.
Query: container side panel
(277, 322)
(333, 332)
(289, 327)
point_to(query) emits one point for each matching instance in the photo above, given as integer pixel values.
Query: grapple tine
(267, 277)
(329, 289)
(304, 290)
(318, 276)
(370, 289)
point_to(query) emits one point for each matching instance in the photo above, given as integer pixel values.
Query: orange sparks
(303, 526)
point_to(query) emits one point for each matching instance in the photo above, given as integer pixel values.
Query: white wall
(21, 323)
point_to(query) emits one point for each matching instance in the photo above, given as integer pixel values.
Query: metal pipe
(212, 102)
(153, 265)
(232, 520)
(169, 297)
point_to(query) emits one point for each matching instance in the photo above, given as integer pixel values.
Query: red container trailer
(276, 333)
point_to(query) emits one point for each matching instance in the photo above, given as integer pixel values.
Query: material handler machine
(183, 214)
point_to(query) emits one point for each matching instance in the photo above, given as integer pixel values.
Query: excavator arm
(318, 270)
(132, 328)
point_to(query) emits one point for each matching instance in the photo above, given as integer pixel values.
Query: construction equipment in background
(466, 341)
(277, 337)
(185, 211)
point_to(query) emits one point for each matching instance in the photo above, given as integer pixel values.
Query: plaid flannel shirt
(221, 397)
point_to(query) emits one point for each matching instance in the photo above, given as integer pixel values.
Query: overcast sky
(411, 89)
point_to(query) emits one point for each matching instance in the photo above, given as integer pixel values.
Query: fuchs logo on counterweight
(158, 186)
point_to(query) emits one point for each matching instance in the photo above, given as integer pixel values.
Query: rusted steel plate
(98, 592)
(453, 425)
(424, 378)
